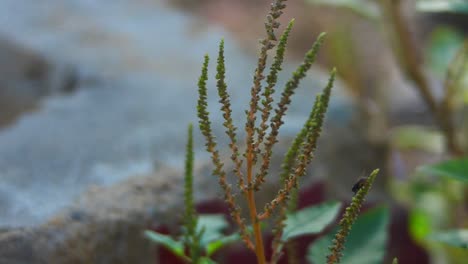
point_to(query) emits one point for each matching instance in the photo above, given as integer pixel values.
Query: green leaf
(364, 8)
(457, 238)
(317, 252)
(213, 238)
(166, 241)
(365, 244)
(444, 43)
(214, 246)
(212, 226)
(310, 220)
(456, 169)
(451, 6)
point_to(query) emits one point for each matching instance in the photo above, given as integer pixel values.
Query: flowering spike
(205, 127)
(280, 111)
(272, 78)
(288, 163)
(226, 109)
(309, 145)
(348, 218)
(267, 44)
(190, 217)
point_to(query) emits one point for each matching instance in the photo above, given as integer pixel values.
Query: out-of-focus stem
(409, 59)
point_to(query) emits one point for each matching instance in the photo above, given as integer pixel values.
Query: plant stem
(442, 115)
(259, 247)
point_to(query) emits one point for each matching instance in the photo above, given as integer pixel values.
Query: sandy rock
(105, 225)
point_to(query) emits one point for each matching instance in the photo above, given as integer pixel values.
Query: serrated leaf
(457, 238)
(364, 8)
(451, 6)
(456, 169)
(365, 244)
(166, 241)
(310, 220)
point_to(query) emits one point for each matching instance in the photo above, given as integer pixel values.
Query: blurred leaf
(435, 205)
(364, 8)
(166, 241)
(365, 244)
(417, 137)
(310, 220)
(317, 252)
(456, 169)
(457, 238)
(212, 226)
(444, 43)
(214, 246)
(213, 238)
(419, 224)
(451, 6)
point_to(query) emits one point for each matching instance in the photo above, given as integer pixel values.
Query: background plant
(433, 203)
(443, 46)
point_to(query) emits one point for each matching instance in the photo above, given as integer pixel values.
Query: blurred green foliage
(369, 9)
(456, 169)
(456, 238)
(212, 237)
(443, 45)
(310, 220)
(364, 8)
(434, 203)
(366, 243)
(452, 6)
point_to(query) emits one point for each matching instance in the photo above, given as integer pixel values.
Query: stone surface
(106, 224)
(26, 77)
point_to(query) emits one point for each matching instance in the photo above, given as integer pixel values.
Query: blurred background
(96, 95)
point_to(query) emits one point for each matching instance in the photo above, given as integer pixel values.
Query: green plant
(350, 215)
(202, 235)
(452, 177)
(366, 239)
(365, 243)
(260, 140)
